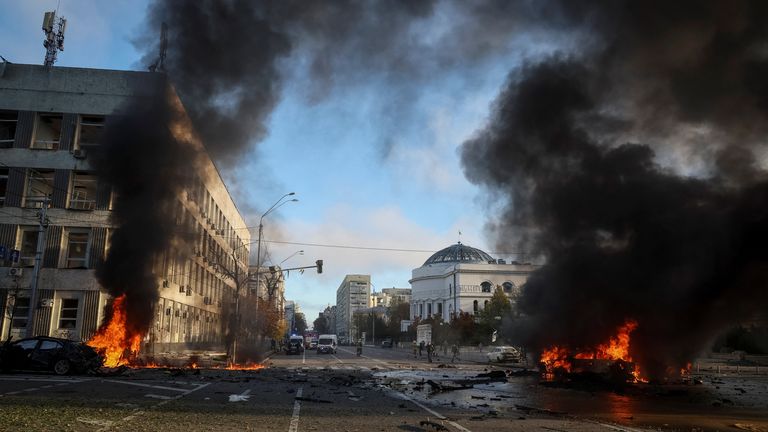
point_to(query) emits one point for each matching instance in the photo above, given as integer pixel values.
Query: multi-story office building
(354, 293)
(387, 296)
(291, 309)
(50, 120)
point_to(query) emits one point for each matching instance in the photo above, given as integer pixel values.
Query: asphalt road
(383, 390)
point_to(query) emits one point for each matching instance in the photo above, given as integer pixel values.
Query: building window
(508, 287)
(3, 184)
(89, 131)
(77, 249)
(20, 313)
(83, 194)
(28, 247)
(486, 287)
(474, 307)
(47, 131)
(68, 313)
(421, 310)
(8, 121)
(440, 309)
(429, 310)
(39, 188)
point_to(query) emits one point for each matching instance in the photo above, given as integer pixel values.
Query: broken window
(39, 188)
(77, 248)
(90, 130)
(28, 247)
(8, 121)
(47, 131)
(68, 314)
(83, 196)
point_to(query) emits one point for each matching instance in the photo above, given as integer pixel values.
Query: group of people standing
(431, 349)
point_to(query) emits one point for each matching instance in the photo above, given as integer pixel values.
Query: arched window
(474, 306)
(486, 286)
(508, 287)
(485, 305)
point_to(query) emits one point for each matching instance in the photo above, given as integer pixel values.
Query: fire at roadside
(120, 349)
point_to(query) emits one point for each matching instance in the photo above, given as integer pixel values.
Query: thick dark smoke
(632, 165)
(228, 61)
(147, 169)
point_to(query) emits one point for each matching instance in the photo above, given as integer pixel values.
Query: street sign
(3, 251)
(14, 256)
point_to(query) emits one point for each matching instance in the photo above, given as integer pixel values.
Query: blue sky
(362, 177)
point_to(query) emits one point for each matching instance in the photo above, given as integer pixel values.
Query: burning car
(61, 356)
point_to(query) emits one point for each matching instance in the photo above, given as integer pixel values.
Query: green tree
(299, 323)
(320, 325)
(493, 314)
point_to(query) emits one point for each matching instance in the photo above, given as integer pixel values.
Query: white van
(327, 343)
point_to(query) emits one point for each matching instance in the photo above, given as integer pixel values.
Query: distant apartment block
(353, 294)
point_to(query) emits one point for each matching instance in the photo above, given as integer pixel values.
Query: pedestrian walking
(455, 353)
(421, 348)
(430, 350)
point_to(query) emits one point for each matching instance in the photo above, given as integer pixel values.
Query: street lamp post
(277, 204)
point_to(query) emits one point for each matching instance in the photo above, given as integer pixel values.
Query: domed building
(461, 278)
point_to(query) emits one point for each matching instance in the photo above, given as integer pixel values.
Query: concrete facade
(353, 294)
(49, 119)
(387, 296)
(451, 285)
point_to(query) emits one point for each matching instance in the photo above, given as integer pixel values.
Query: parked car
(505, 354)
(386, 343)
(61, 356)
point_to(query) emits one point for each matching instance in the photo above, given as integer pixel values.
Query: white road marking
(136, 412)
(304, 357)
(147, 385)
(57, 380)
(370, 358)
(294, 426)
(242, 397)
(616, 427)
(337, 359)
(158, 396)
(433, 412)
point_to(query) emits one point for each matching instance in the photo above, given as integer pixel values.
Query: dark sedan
(61, 356)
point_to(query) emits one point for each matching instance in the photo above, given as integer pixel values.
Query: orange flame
(114, 340)
(247, 366)
(617, 348)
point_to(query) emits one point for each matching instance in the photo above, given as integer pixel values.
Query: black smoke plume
(633, 166)
(228, 61)
(147, 169)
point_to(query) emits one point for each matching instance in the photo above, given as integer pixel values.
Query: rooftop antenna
(54, 39)
(159, 64)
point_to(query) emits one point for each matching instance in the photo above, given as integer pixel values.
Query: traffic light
(319, 264)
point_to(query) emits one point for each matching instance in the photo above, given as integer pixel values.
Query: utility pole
(41, 232)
